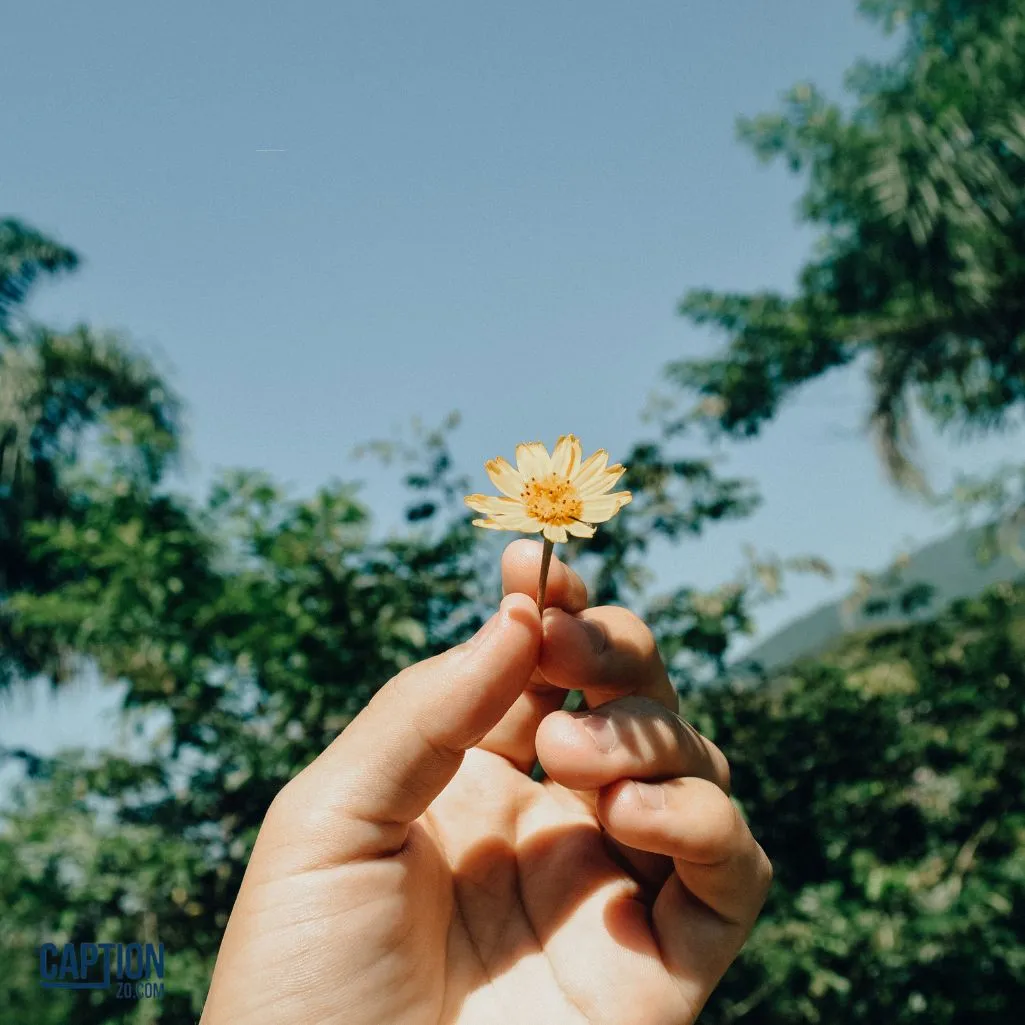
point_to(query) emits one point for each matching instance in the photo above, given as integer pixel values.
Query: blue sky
(325, 218)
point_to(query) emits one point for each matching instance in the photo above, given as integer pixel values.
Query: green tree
(59, 391)
(246, 630)
(882, 776)
(884, 781)
(25, 256)
(917, 189)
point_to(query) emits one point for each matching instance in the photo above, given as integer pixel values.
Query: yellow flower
(556, 495)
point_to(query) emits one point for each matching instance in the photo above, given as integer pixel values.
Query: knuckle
(597, 633)
(302, 809)
(637, 633)
(712, 821)
(284, 800)
(290, 806)
(722, 774)
(282, 812)
(626, 634)
(764, 872)
(709, 762)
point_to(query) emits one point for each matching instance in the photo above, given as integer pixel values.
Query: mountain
(924, 583)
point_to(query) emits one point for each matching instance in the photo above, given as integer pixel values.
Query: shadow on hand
(513, 899)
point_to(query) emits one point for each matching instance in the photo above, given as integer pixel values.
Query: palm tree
(25, 256)
(57, 390)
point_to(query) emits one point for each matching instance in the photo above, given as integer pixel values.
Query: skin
(415, 873)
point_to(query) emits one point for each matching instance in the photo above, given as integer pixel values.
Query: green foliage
(999, 499)
(883, 777)
(25, 255)
(884, 780)
(247, 632)
(247, 629)
(62, 396)
(918, 192)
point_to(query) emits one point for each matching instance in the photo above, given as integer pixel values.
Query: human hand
(415, 873)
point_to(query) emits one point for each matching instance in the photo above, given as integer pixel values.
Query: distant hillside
(933, 577)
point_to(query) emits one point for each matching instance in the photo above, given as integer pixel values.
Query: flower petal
(603, 507)
(494, 506)
(505, 477)
(606, 481)
(581, 529)
(591, 468)
(556, 534)
(520, 522)
(533, 460)
(524, 527)
(566, 456)
(529, 525)
(490, 525)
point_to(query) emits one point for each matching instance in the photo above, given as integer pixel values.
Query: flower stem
(546, 561)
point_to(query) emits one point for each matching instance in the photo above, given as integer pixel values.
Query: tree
(246, 629)
(60, 390)
(249, 628)
(881, 775)
(918, 191)
(25, 256)
(883, 779)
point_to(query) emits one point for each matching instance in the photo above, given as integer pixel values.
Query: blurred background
(275, 282)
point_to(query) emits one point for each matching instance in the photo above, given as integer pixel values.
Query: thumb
(359, 797)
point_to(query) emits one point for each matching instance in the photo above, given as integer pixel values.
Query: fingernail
(651, 795)
(602, 731)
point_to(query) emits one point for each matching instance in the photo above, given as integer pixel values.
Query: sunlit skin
(415, 873)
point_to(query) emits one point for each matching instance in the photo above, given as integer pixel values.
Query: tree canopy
(246, 628)
(62, 394)
(916, 189)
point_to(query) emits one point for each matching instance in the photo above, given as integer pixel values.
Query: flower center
(552, 500)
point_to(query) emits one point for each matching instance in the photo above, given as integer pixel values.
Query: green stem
(546, 561)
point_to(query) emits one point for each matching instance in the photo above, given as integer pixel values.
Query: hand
(415, 873)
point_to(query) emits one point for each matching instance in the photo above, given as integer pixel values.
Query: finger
(607, 653)
(708, 906)
(627, 738)
(359, 797)
(513, 737)
(521, 569)
(718, 863)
